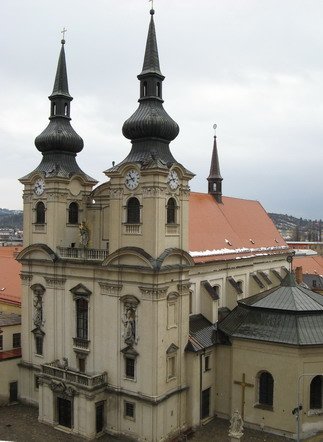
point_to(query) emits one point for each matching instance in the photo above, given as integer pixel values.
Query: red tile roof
(235, 229)
(10, 354)
(312, 264)
(10, 287)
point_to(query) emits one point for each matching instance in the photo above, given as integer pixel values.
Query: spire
(215, 178)
(61, 83)
(151, 60)
(150, 128)
(59, 136)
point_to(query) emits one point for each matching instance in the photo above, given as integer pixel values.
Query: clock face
(39, 187)
(173, 180)
(132, 179)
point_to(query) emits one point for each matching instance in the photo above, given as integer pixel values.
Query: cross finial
(63, 32)
(214, 127)
(152, 4)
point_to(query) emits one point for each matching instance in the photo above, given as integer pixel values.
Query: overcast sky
(254, 67)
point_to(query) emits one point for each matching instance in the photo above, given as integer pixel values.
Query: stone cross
(243, 384)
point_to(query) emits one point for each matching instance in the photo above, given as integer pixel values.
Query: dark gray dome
(59, 136)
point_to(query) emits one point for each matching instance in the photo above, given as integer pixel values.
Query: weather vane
(214, 127)
(63, 32)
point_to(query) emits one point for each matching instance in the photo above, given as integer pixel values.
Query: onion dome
(150, 127)
(59, 136)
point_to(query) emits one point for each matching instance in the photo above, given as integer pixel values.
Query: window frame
(16, 339)
(40, 209)
(171, 209)
(133, 213)
(82, 318)
(128, 405)
(73, 213)
(265, 390)
(316, 393)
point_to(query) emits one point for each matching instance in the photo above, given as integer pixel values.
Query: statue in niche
(129, 323)
(38, 306)
(236, 427)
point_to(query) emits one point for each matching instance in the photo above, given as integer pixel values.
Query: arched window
(171, 211)
(133, 211)
(40, 213)
(73, 213)
(66, 109)
(316, 393)
(54, 108)
(266, 389)
(81, 318)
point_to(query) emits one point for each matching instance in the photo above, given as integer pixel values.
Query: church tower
(55, 192)
(153, 208)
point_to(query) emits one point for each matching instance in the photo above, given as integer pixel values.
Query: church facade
(124, 283)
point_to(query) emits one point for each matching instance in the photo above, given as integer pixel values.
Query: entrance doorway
(99, 416)
(13, 391)
(64, 409)
(205, 409)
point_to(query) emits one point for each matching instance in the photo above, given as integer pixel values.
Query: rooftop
(10, 287)
(288, 314)
(233, 229)
(9, 319)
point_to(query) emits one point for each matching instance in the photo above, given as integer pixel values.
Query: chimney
(299, 274)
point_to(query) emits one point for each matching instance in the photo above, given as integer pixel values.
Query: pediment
(174, 257)
(81, 290)
(131, 257)
(37, 252)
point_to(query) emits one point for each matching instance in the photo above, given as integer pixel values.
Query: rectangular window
(171, 367)
(207, 363)
(81, 318)
(36, 382)
(39, 345)
(129, 410)
(130, 368)
(1, 342)
(16, 340)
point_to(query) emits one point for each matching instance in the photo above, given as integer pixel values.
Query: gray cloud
(255, 68)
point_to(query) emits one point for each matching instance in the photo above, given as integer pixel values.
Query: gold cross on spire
(63, 32)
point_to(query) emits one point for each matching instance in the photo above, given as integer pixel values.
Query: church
(133, 291)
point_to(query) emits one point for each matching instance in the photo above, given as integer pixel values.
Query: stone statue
(38, 312)
(236, 425)
(130, 327)
(84, 234)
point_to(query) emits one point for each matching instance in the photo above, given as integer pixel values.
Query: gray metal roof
(9, 319)
(289, 314)
(202, 333)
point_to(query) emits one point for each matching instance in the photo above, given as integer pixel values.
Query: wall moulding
(53, 282)
(110, 288)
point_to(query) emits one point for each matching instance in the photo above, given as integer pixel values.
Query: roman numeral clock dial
(173, 180)
(132, 179)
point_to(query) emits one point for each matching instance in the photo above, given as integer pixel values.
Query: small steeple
(59, 143)
(150, 128)
(59, 136)
(215, 178)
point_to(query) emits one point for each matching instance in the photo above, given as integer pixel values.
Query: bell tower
(55, 192)
(149, 188)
